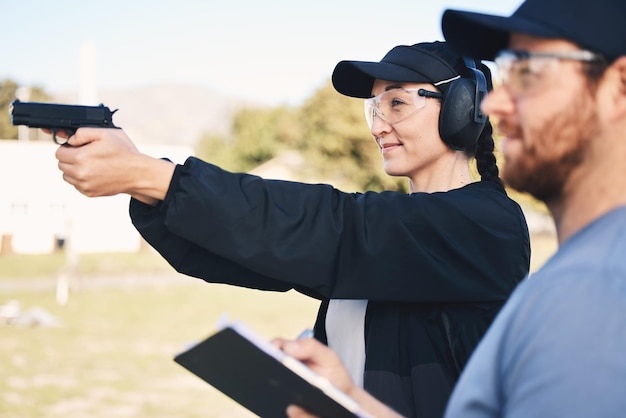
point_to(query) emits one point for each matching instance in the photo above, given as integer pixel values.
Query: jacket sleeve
(467, 245)
(195, 261)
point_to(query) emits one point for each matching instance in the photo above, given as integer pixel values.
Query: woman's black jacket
(435, 268)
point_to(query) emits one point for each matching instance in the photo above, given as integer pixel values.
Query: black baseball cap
(598, 25)
(404, 63)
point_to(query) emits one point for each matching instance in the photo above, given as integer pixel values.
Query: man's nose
(497, 102)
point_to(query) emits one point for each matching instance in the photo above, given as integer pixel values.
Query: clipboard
(262, 378)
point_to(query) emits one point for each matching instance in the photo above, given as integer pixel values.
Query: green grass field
(112, 354)
(125, 318)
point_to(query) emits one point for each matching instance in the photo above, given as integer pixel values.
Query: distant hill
(168, 114)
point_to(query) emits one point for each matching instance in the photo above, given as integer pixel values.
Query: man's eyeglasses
(396, 105)
(522, 72)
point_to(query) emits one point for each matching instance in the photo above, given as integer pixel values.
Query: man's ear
(611, 92)
(618, 85)
(620, 64)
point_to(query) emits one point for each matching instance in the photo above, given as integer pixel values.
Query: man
(556, 348)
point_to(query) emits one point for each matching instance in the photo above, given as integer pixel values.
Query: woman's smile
(386, 147)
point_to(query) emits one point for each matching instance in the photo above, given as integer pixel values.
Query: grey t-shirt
(558, 347)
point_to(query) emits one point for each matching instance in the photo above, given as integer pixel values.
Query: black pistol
(60, 117)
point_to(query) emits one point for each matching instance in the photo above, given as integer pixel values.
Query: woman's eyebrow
(393, 87)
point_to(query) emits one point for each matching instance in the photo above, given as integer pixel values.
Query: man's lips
(511, 136)
(510, 131)
(509, 143)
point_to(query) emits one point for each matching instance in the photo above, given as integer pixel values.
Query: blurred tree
(257, 136)
(8, 89)
(217, 150)
(261, 133)
(7, 95)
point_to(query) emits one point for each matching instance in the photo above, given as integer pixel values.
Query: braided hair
(483, 153)
(483, 149)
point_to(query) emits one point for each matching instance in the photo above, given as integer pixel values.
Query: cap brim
(356, 78)
(482, 36)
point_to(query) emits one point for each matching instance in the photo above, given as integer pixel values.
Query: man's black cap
(598, 25)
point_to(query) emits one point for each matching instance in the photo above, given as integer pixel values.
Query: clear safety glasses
(396, 105)
(523, 72)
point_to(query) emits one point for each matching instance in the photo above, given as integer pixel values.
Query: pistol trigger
(56, 140)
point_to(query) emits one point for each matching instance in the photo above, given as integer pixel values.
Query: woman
(408, 283)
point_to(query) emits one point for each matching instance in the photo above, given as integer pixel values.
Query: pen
(307, 333)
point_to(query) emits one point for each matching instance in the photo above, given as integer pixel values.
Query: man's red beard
(550, 152)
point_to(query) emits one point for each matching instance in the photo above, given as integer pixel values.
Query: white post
(69, 272)
(88, 91)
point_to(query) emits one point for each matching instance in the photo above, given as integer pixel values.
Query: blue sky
(273, 51)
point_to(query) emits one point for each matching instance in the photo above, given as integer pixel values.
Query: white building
(37, 208)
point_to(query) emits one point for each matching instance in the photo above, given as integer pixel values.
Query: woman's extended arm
(455, 246)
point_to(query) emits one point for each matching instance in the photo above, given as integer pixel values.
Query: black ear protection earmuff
(461, 121)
